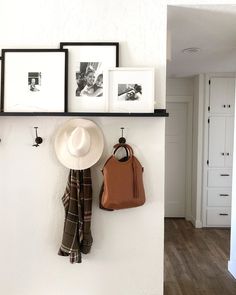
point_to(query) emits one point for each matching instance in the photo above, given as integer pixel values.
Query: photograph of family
(89, 79)
(34, 81)
(129, 92)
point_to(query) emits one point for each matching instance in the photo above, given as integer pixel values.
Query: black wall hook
(122, 140)
(38, 139)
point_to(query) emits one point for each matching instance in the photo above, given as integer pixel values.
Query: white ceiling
(209, 27)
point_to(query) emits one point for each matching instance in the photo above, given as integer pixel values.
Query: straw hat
(79, 144)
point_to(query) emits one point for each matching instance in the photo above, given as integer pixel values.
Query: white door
(175, 159)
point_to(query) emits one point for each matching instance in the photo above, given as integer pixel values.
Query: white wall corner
(196, 223)
(232, 267)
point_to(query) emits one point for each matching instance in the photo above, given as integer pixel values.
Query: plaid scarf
(77, 201)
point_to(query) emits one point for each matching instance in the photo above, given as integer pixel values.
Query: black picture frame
(115, 44)
(82, 57)
(0, 83)
(20, 66)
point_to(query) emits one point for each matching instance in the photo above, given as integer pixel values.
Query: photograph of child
(89, 79)
(34, 81)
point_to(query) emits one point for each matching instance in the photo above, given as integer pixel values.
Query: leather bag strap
(127, 147)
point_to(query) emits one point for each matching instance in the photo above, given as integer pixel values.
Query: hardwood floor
(196, 260)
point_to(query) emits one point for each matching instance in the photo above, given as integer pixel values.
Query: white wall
(127, 254)
(198, 127)
(179, 87)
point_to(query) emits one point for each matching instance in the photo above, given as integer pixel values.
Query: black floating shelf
(157, 113)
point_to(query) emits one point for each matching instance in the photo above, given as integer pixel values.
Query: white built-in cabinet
(221, 95)
(220, 92)
(220, 141)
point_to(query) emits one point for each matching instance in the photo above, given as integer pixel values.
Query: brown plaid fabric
(77, 201)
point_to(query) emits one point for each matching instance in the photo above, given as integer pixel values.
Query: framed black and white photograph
(34, 80)
(131, 90)
(87, 90)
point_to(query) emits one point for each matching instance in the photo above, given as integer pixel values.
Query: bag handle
(127, 147)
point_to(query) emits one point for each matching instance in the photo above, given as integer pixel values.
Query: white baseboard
(189, 218)
(196, 223)
(232, 267)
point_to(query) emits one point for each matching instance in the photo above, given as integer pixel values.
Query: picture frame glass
(87, 90)
(34, 81)
(131, 90)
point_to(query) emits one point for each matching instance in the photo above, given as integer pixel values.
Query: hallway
(196, 260)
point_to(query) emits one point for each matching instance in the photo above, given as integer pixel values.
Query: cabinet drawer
(219, 197)
(220, 178)
(219, 217)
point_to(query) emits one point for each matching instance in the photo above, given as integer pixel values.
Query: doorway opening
(178, 157)
(201, 75)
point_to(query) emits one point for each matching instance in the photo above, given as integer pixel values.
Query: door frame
(189, 146)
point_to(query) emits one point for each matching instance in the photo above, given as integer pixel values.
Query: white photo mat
(106, 57)
(50, 69)
(131, 90)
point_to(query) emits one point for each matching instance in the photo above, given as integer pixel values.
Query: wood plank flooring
(196, 260)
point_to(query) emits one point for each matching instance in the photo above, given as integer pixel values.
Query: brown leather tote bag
(123, 182)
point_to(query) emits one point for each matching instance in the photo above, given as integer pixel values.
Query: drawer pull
(224, 195)
(224, 175)
(223, 214)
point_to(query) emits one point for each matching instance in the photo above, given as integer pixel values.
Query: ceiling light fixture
(191, 50)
